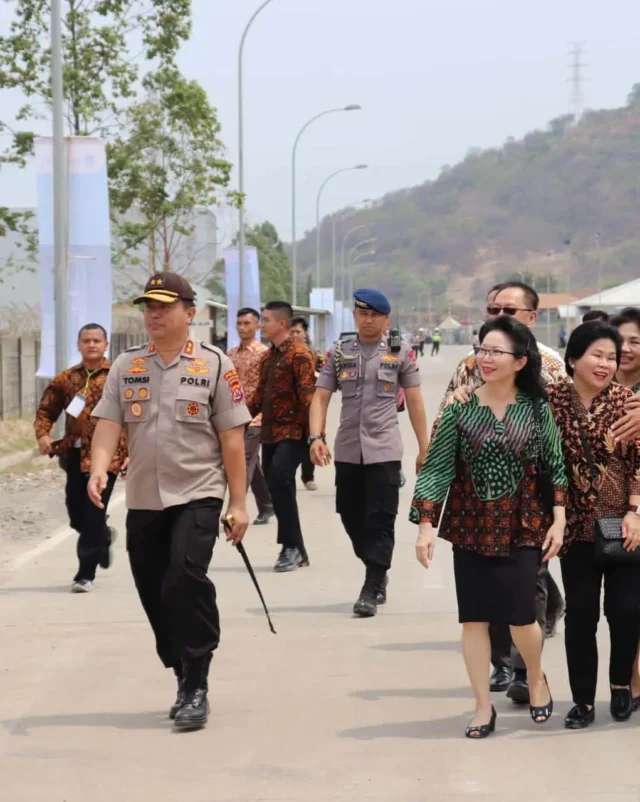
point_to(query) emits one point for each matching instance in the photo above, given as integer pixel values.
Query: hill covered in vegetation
(564, 202)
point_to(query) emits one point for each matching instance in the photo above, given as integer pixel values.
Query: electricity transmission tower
(576, 79)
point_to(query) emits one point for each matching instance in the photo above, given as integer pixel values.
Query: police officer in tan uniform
(368, 444)
(184, 412)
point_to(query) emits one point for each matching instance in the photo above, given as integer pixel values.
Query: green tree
(166, 165)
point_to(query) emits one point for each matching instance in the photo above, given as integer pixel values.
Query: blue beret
(371, 299)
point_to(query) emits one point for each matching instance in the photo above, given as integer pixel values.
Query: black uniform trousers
(308, 468)
(367, 498)
(89, 521)
(583, 577)
(280, 462)
(170, 551)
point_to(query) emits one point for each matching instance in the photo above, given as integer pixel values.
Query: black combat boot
(194, 713)
(180, 697)
(367, 604)
(381, 592)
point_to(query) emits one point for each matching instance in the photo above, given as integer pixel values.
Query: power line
(576, 79)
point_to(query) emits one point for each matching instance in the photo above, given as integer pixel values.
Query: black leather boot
(194, 713)
(180, 697)
(367, 604)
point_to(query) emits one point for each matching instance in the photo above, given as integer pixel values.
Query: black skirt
(497, 590)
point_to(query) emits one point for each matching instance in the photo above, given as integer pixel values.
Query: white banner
(88, 244)
(251, 287)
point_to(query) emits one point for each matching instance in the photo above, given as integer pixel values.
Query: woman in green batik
(486, 456)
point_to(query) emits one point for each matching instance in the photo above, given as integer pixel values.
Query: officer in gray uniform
(368, 449)
(182, 406)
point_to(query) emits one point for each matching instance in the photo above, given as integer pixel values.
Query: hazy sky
(434, 77)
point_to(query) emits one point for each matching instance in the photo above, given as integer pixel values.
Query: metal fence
(20, 389)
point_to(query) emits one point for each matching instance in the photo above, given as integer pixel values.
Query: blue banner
(232, 280)
(88, 249)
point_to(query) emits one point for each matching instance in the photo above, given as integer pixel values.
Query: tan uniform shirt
(370, 379)
(172, 415)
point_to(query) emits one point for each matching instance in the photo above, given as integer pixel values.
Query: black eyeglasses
(495, 311)
(494, 353)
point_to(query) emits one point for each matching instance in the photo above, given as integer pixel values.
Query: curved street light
(241, 223)
(294, 241)
(351, 205)
(324, 184)
(344, 242)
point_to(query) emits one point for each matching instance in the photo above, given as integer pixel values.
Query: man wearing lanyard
(76, 391)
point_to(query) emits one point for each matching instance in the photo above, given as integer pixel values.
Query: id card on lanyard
(79, 402)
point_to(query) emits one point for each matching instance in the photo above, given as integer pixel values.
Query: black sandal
(540, 715)
(479, 731)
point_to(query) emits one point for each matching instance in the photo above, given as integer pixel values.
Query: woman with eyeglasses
(485, 455)
(628, 325)
(604, 483)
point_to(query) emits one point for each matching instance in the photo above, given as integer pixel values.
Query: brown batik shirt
(617, 465)
(57, 397)
(287, 385)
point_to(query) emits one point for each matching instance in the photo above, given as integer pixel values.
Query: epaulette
(137, 347)
(210, 347)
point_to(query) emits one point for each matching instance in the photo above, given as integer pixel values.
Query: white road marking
(58, 537)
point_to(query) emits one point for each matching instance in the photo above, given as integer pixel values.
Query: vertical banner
(322, 298)
(232, 280)
(88, 244)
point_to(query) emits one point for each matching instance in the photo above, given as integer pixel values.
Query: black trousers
(280, 462)
(308, 468)
(88, 521)
(435, 349)
(367, 499)
(583, 577)
(255, 475)
(548, 605)
(170, 551)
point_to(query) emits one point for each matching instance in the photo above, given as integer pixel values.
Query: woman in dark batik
(608, 485)
(486, 454)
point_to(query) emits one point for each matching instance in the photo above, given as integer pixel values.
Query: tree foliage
(121, 82)
(275, 267)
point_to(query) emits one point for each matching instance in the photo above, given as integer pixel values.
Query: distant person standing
(300, 333)
(76, 391)
(247, 358)
(182, 405)
(562, 337)
(368, 444)
(435, 348)
(287, 384)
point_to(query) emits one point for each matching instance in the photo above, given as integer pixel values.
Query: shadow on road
(427, 646)
(321, 609)
(120, 721)
(46, 589)
(452, 727)
(417, 693)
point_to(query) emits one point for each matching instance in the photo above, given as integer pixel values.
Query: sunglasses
(495, 311)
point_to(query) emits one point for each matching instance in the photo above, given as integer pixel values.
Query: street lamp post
(333, 239)
(352, 251)
(59, 195)
(294, 240)
(344, 242)
(324, 184)
(241, 222)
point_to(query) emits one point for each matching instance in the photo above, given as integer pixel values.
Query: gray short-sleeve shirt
(172, 415)
(370, 380)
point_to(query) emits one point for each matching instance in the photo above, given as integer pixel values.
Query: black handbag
(609, 543)
(544, 482)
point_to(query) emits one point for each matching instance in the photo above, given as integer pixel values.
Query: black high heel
(540, 715)
(479, 731)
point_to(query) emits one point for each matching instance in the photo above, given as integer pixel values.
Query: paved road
(331, 709)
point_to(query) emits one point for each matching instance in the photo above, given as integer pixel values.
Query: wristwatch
(313, 437)
(634, 508)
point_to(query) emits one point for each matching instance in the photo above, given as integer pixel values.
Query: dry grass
(29, 466)
(16, 435)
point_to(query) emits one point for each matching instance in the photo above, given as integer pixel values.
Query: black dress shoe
(180, 700)
(500, 679)
(366, 606)
(194, 713)
(381, 591)
(621, 704)
(518, 690)
(263, 519)
(579, 717)
(289, 560)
